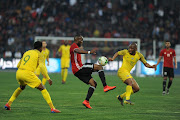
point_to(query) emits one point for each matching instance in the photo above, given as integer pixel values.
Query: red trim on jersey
(168, 57)
(75, 59)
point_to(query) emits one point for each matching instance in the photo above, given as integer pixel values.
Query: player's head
(78, 40)
(44, 44)
(168, 44)
(132, 48)
(65, 42)
(38, 45)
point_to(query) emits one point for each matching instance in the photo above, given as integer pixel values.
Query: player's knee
(95, 83)
(137, 89)
(22, 87)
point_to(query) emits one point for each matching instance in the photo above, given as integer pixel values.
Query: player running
(25, 75)
(168, 71)
(83, 72)
(64, 51)
(130, 58)
(45, 52)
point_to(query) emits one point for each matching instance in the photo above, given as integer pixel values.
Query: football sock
(62, 73)
(90, 92)
(14, 95)
(102, 77)
(164, 85)
(44, 81)
(124, 94)
(65, 74)
(128, 92)
(169, 84)
(47, 97)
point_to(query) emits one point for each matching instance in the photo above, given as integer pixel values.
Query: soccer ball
(102, 60)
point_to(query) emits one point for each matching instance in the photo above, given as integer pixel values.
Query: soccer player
(83, 72)
(168, 71)
(45, 52)
(130, 58)
(25, 75)
(64, 51)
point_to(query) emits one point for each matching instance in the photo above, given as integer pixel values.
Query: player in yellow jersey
(25, 75)
(45, 52)
(130, 58)
(64, 51)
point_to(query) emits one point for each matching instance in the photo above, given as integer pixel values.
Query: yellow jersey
(30, 60)
(45, 54)
(65, 50)
(129, 61)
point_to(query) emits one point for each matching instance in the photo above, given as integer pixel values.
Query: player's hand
(93, 51)
(176, 66)
(110, 59)
(50, 82)
(155, 67)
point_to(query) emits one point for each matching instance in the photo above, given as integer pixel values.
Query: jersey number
(26, 59)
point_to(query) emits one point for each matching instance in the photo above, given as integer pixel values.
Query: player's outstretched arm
(114, 57)
(82, 51)
(175, 62)
(159, 60)
(150, 66)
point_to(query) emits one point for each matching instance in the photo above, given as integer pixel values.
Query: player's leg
(90, 93)
(165, 75)
(100, 71)
(67, 61)
(171, 76)
(44, 79)
(14, 96)
(47, 97)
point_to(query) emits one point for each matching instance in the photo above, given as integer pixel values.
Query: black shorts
(168, 72)
(84, 74)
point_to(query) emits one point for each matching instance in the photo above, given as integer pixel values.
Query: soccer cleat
(86, 104)
(128, 102)
(108, 88)
(167, 92)
(53, 110)
(164, 93)
(120, 99)
(7, 107)
(63, 82)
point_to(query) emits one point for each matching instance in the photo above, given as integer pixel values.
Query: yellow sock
(44, 81)
(65, 74)
(128, 92)
(14, 95)
(124, 94)
(47, 97)
(62, 73)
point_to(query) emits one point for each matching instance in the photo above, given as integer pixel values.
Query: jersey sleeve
(122, 52)
(48, 52)
(174, 53)
(42, 67)
(161, 53)
(19, 63)
(60, 49)
(142, 59)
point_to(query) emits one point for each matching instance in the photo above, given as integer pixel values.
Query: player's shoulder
(124, 50)
(140, 54)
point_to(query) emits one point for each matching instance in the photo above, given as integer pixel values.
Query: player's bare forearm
(159, 60)
(150, 66)
(175, 62)
(82, 51)
(114, 57)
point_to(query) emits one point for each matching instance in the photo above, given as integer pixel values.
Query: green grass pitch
(149, 102)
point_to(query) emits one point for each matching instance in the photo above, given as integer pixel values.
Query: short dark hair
(37, 45)
(77, 36)
(167, 41)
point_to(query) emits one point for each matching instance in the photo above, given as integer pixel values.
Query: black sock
(164, 85)
(169, 84)
(90, 92)
(102, 77)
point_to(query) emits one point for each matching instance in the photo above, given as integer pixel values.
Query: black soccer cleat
(120, 100)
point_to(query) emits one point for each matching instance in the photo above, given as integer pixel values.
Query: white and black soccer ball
(102, 60)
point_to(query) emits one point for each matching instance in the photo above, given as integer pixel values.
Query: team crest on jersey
(164, 52)
(170, 52)
(132, 58)
(127, 76)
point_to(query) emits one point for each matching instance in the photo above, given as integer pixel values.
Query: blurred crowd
(22, 20)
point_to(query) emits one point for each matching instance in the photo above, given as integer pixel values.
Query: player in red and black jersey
(168, 67)
(83, 72)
